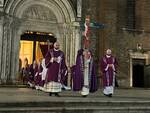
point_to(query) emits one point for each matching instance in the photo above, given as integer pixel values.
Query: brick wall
(116, 15)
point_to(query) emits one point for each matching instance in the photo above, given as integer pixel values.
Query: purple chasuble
(78, 74)
(38, 76)
(55, 70)
(25, 72)
(108, 74)
(32, 73)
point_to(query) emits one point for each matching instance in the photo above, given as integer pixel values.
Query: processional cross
(88, 25)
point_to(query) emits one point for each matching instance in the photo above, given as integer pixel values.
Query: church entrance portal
(57, 17)
(33, 45)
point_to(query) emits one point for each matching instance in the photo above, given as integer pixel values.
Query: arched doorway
(34, 45)
(33, 48)
(55, 16)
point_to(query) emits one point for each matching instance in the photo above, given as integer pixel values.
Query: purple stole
(107, 72)
(90, 69)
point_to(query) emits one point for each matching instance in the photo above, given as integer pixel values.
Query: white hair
(108, 51)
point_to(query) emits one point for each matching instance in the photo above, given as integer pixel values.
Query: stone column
(67, 42)
(1, 44)
(4, 52)
(71, 48)
(130, 73)
(68, 47)
(73, 45)
(76, 43)
(60, 35)
(15, 48)
(77, 39)
(9, 52)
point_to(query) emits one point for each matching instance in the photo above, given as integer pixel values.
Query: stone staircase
(25, 100)
(78, 106)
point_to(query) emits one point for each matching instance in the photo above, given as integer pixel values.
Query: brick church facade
(127, 33)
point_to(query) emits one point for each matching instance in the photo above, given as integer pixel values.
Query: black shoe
(57, 95)
(106, 95)
(50, 94)
(33, 87)
(84, 96)
(110, 95)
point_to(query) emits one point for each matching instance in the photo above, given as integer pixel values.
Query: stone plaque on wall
(79, 8)
(1, 3)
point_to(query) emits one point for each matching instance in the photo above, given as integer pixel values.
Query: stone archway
(37, 15)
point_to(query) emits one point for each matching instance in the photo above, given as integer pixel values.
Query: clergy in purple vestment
(25, 71)
(108, 66)
(84, 76)
(38, 75)
(43, 75)
(65, 83)
(55, 63)
(32, 72)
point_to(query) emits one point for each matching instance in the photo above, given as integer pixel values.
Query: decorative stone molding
(60, 21)
(137, 55)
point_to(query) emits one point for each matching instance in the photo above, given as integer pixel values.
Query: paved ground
(9, 95)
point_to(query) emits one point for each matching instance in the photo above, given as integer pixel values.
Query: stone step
(13, 86)
(24, 100)
(77, 104)
(76, 107)
(76, 110)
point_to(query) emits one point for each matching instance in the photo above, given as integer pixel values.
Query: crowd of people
(50, 73)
